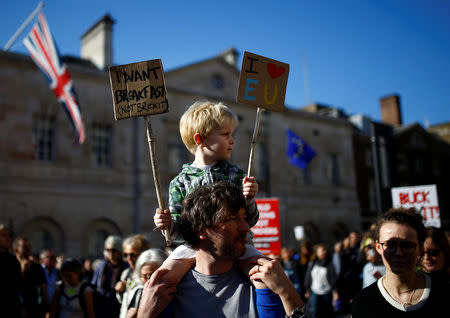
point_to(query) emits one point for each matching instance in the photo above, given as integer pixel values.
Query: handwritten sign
(263, 82)
(267, 237)
(138, 89)
(424, 198)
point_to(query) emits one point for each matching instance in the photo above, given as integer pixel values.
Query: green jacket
(191, 178)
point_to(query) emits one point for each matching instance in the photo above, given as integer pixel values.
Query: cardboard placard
(263, 82)
(138, 89)
(423, 198)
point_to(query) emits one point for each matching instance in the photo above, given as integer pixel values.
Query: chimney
(230, 56)
(391, 110)
(96, 43)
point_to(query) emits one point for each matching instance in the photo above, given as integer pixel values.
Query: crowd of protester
(327, 277)
(49, 286)
(330, 276)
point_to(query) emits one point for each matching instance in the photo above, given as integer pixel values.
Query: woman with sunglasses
(132, 246)
(402, 291)
(147, 263)
(436, 254)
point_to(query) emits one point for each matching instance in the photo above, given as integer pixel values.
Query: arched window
(95, 243)
(95, 235)
(41, 240)
(44, 233)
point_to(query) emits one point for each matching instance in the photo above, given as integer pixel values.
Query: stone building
(389, 154)
(442, 130)
(69, 197)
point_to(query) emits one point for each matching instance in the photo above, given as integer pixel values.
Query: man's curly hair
(208, 206)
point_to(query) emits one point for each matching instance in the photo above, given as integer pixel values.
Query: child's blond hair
(204, 118)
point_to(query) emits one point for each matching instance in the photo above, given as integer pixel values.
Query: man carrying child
(213, 223)
(207, 131)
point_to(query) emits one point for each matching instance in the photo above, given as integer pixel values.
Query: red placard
(267, 230)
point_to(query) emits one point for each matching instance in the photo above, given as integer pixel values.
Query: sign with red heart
(263, 82)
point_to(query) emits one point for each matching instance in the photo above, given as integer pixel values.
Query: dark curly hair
(208, 206)
(404, 216)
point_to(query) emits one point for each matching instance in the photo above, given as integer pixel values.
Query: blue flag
(298, 151)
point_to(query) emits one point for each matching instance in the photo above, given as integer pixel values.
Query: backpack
(79, 295)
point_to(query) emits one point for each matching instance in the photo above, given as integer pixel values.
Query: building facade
(69, 197)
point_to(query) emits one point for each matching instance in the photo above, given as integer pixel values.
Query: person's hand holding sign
(249, 187)
(162, 219)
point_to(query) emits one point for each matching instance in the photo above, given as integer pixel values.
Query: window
(333, 169)
(217, 81)
(307, 175)
(402, 163)
(43, 134)
(436, 167)
(43, 233)
(101, 144)
(41, 239)
(177, 154)
(372, 195)
(368, 157)
(96, 242)
(419, 165)
(417, 141)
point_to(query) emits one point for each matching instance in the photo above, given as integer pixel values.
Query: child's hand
(162, 219)
(249, 187)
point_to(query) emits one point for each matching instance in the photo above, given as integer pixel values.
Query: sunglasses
(433, 252)
(131, 255)
(405, 246)
(111, 250)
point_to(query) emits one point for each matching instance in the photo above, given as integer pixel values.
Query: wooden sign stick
(253, 144)
(139, 90)
(154, 162)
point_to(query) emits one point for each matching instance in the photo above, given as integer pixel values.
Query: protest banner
(267, 237)
(262, 83)
(138, 89)
(424, 198)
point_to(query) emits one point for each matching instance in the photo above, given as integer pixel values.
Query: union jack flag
(43, 51)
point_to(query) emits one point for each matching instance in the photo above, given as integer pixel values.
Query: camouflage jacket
(192, 177)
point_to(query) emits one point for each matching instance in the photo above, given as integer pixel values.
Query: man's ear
(198, 139)
(378, 248)
(202, 235)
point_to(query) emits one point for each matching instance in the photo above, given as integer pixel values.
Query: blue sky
(356, 50)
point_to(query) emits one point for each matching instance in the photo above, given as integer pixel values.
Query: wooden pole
(253, 144)
(151, 146)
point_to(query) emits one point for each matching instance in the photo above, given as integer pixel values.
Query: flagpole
(23, 26)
